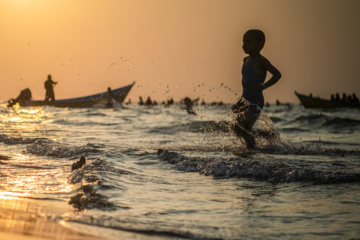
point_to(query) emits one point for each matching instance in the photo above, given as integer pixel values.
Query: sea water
(160, 173)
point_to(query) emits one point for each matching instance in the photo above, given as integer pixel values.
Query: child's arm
(267, 66)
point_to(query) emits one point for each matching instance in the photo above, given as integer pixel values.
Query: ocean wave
(93, 181)
(341, 123)
(18, 140)
(195, 127)
(292, 129)
(311, 117)
(323, 120)
(88, 198)
(273, 171)
(153, 230)
(84, 123)
(276, 119)
(46, 147)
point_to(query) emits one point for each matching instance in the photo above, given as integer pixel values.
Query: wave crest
(275, 171)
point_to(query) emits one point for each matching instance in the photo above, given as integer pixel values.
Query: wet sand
(27, 219)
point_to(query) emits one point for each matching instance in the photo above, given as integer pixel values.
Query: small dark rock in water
(78, 164)
(2, 157)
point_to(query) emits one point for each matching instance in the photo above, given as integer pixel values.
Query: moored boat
(118, 95)
(316, 102)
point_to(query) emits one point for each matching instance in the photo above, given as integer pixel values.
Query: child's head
(254, 41)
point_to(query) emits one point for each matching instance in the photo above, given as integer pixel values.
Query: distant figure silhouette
(24, 96)
(49, 89)
(148, 102)
(349, 99)
(189, 106)
(141, 102)
(110, 98)
(78, 164)
(344, 98)
(355, 98)
(254, 70)
(337, 97)
(170, 102)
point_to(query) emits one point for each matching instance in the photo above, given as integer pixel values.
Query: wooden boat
(315, 102)
(99, 99)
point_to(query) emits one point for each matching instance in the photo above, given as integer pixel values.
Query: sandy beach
(25, 219)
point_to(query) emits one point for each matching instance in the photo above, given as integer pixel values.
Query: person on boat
(254, 69)
(355, 99)
(337, 97)
(49, 83)
(344, 98)
(110, 98)
(332, 98)
(24, 96)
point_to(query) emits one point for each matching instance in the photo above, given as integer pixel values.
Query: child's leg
(244, 123)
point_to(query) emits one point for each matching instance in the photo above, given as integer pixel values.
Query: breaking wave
(46, 147)
(272, 170)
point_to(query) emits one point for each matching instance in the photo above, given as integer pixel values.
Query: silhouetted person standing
(189, 106)
(110, 98)
(254, 71)
(49, 89)
(141, 101)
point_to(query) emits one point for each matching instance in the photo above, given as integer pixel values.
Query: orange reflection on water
(24, 121)
(11, 195)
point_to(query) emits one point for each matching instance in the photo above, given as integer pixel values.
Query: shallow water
(163, 174)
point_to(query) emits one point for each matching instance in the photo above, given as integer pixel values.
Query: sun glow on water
(25, 121)
(11, 195)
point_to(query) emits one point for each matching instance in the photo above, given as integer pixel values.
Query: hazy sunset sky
(176, 48)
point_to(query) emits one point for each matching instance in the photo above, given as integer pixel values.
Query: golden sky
(176, 48)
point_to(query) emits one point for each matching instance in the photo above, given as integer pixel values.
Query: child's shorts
(247, 113)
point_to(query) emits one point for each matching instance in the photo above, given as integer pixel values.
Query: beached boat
(315, 102)
(99, 99)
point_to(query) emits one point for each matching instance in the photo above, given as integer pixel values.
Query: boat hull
(119, 95)
(313, 102)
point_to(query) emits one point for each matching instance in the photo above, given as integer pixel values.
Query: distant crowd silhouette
(171, 101)
(186, 103)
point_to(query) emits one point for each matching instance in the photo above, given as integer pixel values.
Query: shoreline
(33, 219)
(29, 219)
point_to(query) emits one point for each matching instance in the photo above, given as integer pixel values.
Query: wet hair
(258, 35)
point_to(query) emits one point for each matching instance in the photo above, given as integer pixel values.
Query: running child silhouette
(254, 71)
